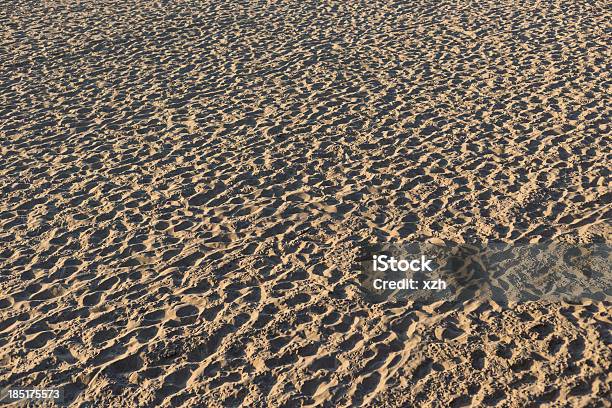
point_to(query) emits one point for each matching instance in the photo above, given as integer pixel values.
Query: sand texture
(185, 187)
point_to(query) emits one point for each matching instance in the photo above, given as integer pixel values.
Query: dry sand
(184, 186)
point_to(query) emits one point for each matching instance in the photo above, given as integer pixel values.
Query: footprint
(310, 387)
(186, 311)
(461, 401)
(104, 335)
(576, 348)
(423, 369)
(478, 359)
(40, 340)
(107, 283)
(324, 363)
(91, 299)
(542, 330)
(554, 345)
(521, 364)
(494, 399)
(368, 384)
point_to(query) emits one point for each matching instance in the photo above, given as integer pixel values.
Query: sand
(185, 185)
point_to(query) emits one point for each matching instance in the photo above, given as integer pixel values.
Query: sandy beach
(186, 186)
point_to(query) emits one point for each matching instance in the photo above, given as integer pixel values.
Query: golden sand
(184, 187)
